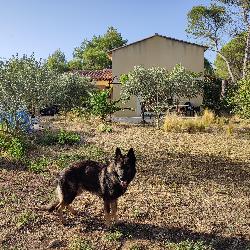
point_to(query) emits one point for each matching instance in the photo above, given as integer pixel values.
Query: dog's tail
(52, 206)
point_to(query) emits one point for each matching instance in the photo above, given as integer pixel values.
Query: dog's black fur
(107, 181)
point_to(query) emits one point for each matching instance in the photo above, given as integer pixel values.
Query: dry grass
(191, 192)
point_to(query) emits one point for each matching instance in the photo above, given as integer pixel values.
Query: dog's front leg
(114, 210)
(107, 213)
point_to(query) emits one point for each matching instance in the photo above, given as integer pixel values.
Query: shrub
(15, 146)
(100, 104)
(104, 128)
(241, 98)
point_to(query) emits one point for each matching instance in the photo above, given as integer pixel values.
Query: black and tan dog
(109, 182)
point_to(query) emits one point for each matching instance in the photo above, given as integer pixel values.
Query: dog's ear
(118, 153)
(131, 154)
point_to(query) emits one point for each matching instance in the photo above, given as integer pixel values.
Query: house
(158, 51)
(102, 78)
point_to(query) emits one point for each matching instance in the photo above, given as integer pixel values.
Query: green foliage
(104, 128)
(66, 137)
(48, 138)
(188, 245)
(208, 68)
(101, 105)
(73, 91)
(212, 94)
(25, 218)
(156, 88)
(207, 23)
(65, 160)
(75, 64)
(241, 98)
(114, 236)
(234, 52)
(25, 83)
(93, 54)
(62, 137)
(38, 165)
(80, 244)
(57, 61)
(15, 146)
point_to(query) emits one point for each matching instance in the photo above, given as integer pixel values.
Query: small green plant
(188, 245)
(230, 129)
(138, 214)
(136, 247)
(15, 146)
(25, 218)
(104, 128)
(63, 137)
(91, 151)
(101, 105)
(66, 137)
(114, 236)
(39, 165)
(80, 244)
(65, 159)
(48, 138)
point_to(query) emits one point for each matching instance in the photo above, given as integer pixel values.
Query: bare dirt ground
(191, 191)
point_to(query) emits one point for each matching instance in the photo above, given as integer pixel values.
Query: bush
(241, 98)
(15, 146)
(100, 104)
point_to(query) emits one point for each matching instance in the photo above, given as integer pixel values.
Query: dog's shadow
(141, 231)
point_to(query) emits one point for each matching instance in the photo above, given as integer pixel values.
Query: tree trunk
(223, 89)
(247, 54)
(228, 66)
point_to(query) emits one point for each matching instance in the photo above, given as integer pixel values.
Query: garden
(191, 189)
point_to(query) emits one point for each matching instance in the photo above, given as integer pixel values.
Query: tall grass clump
(174, 123)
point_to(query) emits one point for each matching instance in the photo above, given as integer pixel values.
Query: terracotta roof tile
(98, 75)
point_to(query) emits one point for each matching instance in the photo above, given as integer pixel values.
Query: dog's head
(125, 166)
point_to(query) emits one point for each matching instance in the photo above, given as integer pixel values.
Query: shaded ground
(191, 188)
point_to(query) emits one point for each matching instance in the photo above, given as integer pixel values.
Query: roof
(98, 75)
(166, 37)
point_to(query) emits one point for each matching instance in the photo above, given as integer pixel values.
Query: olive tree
(25, 84)
(157, 88)
(72, 91)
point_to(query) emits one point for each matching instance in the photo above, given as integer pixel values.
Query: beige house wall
(155, 51)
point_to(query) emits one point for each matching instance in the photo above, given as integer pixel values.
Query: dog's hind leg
(107, 213)
(114, 210)
(60, 208)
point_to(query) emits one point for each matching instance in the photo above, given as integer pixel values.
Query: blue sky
(42, 26)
